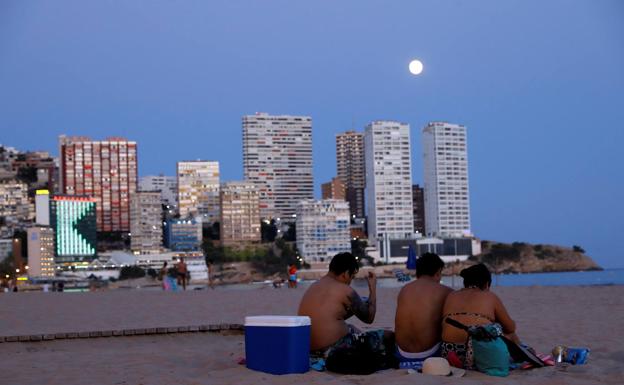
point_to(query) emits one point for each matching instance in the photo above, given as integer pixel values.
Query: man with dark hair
(418, 320)
(330, 301)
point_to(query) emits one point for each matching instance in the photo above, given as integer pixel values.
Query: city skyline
(540, 94)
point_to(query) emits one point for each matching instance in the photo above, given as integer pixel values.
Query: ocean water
(576, 278)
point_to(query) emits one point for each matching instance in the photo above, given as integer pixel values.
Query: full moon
(415, 67)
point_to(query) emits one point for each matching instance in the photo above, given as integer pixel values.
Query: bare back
(418, 320)
(328, 303)
(474, 307)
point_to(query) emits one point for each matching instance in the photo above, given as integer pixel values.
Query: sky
(539, 85)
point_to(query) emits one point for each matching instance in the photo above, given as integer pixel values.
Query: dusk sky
(539, 84)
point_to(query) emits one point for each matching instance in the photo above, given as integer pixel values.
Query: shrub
(128, 272)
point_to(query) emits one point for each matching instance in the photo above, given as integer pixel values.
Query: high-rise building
(105, 170)
(447, 205)
(40, 251)
(240, 213)
(388, 180)
(198, 190)
(334, 189)
(73, 220)
(350, 168)
(167, 185)
(183, 234)
(42, 207)
(277, 158)
(146, 222)
(323, 229)
(418, 196)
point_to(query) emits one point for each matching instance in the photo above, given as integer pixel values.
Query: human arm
(502, 316)
(364, 310)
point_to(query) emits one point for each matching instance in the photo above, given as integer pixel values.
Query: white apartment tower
(351, 170)
(146, 222)
(388, 180)
(277, 158)
(447, 204)
(167, 185)
(240, 213)
(198, 190)
(323, 229)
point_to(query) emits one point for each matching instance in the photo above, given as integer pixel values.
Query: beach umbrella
(411, 258)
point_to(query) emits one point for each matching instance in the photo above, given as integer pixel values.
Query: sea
(575, 278)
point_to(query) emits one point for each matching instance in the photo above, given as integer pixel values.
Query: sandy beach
(546, 316)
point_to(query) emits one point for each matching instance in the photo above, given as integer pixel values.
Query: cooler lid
(277, 320)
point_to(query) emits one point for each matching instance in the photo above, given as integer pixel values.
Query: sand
(546, 316)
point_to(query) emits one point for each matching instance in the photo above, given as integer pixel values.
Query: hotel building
(198, 190)
(277, 158)
(323, 229)
(447, 204)
(40, 251)
(350, 168)
(105, 170)
(73, 220)
(240, 213)
(146, 222)
(388, 180)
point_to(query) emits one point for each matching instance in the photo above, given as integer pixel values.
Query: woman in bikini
(475, 304)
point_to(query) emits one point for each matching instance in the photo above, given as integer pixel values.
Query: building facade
(388, 180)
(323, 229)
(198, 190)
(277, 158)
(40, 251)
(418, 202)
(167, 185)
(105, 170)
(240, 213)
(183, 234)
(73, 220)
(447, 203)
(351, 169)
(334, 189)
(15, 206)
(146, 222)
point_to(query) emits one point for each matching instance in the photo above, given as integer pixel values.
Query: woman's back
(470, 306)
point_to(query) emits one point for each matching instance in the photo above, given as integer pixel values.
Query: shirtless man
(181, 270)
(418, 320)
(330, 301)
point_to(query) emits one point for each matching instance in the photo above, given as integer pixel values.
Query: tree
(291, 233)
(578, 249)
(268, 231)
(133, 271)
(358, 248)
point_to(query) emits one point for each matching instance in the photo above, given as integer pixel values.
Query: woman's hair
(476, 276)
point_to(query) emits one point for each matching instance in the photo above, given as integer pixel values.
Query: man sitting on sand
(418, 320)
(330, 301)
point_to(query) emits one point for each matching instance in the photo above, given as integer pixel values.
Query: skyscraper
(105, 170)
(388, 180)
(350, 169)
(40, 251)
(198, 190)
(447, 204)
(334, 189)
(167, 185)
(277, 158)
(73, 220)
(323, 229)
(418, 196)
(146, 222)
(240, 213)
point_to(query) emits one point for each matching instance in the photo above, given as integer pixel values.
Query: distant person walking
(182, 272)
(162, 275)
(210, 274)
(292, 276)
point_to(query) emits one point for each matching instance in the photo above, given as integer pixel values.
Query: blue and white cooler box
(277, 344)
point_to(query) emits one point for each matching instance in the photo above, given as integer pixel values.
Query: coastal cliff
(520, 257)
